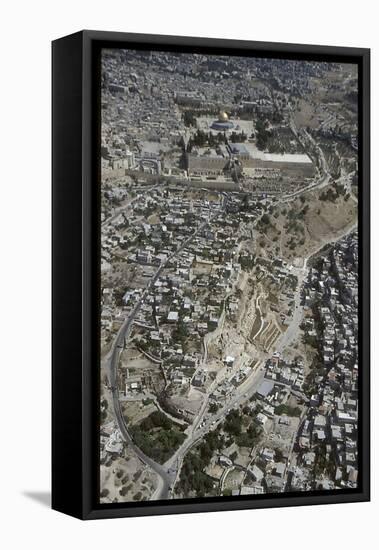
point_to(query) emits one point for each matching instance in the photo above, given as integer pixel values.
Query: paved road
(293, 328)
(325, 175)
(165, 480)
(166, 475)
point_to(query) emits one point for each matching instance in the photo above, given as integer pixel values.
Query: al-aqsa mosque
(222, 123)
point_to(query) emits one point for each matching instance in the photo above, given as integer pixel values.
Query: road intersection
(168, 473)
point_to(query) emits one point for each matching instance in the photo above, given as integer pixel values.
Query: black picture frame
(75, 271)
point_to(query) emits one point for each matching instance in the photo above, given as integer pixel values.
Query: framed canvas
(211, 343)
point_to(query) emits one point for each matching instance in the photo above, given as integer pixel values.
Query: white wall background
(26, 31)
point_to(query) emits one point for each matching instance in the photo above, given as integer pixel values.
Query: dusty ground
(135, 411)
(244, 457)
(132, 359)
(299, 237)
(281, 436)
(127, 479)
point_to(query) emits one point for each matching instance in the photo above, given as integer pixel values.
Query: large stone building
(251, 157)
(212, 163)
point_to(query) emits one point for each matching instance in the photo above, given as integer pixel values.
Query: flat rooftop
(252, 150)
(265, 388)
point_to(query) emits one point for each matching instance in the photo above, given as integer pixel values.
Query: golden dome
(223, 116)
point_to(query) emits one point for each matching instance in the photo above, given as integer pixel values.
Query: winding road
(166, 475)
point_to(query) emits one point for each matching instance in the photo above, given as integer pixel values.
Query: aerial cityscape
(229, 276)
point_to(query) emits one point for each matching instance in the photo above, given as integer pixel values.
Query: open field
(305, 224)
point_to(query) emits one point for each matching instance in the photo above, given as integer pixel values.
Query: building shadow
(42, 497)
